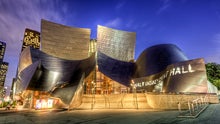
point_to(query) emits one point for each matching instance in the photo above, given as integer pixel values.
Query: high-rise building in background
(3, 65)
(2, 50)
(3, 72)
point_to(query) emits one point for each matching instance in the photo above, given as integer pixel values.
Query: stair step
(114, 101)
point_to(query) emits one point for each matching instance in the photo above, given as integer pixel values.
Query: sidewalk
(109, 116)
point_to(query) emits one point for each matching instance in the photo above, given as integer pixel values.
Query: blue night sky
(193, 25)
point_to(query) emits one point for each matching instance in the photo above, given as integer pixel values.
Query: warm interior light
(44, 103)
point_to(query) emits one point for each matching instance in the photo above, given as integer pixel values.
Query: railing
(135, 102)
(93, 101)
(107, 102)
(122, 99)
(195, 107)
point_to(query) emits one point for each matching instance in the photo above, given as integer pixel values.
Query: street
(113, 116)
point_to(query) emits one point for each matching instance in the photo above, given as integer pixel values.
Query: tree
(213, 73)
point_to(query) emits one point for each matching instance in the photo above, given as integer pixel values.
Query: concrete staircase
(115, 101)
(142, 101)
(87, 101)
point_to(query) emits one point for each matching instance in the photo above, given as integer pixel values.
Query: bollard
(189, 108)
(202, 101)
(179, 106)
(197, 107)
(206, 100)
(193, 110)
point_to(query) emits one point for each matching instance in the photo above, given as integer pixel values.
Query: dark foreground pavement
(120, 116)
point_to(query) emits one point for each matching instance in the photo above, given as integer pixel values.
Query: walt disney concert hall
(62, 67)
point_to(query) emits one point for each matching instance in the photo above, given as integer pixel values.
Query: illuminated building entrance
(98, 83)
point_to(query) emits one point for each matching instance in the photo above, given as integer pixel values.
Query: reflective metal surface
(187, 76)
(116, 44)
(46, 73)
(64, 42)
(119, 71)
(67, 57)
(156, 58)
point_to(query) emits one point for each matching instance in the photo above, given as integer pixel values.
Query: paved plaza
(114, 116)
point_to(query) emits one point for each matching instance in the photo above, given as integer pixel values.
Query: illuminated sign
(31, 38)
(187, 76)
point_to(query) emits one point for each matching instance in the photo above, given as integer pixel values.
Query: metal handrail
(195, 107)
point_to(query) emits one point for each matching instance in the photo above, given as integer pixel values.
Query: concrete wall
(170, 101)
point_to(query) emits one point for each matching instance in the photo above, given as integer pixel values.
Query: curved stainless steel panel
(116, 44)
(186, 76)
(65, 94)
(156, 58)
(25, 76)
(53, 72)
(119, 71)
(64, 42)
(25, 59)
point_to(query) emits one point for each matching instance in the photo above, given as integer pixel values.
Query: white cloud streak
(165, 5)
(15, 16)
(119, 5)
(114, 23)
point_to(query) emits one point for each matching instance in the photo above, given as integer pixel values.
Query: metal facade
(186, 76)
(66, 59)
(49, 73)
(64, 42)
(116, 44)
(156, 58)
(119, 71)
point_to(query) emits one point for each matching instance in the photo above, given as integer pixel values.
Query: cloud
(165, 5)
(16, 16)
(114, 23)
(130, 23)
(119, 5)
